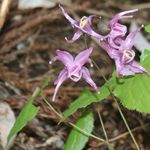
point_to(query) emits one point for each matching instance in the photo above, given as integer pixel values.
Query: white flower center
(83, 22)
(128, 56)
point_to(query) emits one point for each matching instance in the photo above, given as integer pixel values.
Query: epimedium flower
(74, 68)
(117, 30)
(82, 26)
(124, 56)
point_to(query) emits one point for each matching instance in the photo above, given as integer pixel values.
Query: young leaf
(26, 115)
(134, 91)
(147, 28)
(85, 99)
(76, 139)
(28, 112)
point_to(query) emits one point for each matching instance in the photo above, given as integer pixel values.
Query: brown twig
(4, 11)
(125, 133)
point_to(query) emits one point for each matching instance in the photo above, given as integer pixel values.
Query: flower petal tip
(142, 26)
(53, 99)
(136, 9)
(60, 6)
(91, 65)
(68, 41)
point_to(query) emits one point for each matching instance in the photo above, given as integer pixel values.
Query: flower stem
(70, 123)
(105, 134)
(127, 126)
(120, 111)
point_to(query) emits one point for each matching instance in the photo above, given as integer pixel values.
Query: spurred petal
(61, 78)
(123, 69)
(70, 19)
(76, 36)
(118, 31)
(119, 16)
(129, 69)
(88, 79)
(127, 12)
(90, 62)
(113, 53)
(54, 59)
(83, 57)
(138, 68)
(85, 26)
(90, 31)
(129, 41)
(65, 57)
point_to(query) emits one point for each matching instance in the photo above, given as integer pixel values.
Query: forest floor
(28, 41)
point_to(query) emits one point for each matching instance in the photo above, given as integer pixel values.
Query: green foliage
(76, 139)
(134, 91)
(147, 28)
(85, 99)
(145, 59)
(27, 114)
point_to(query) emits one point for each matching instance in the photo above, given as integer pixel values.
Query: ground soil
(28, 41)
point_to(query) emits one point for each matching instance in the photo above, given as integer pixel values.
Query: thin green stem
(102, 124)
(70, 123)
(120, 111)
(105, 133)
(85, 133)
(101, 120)
(50, 106)
(127, 126)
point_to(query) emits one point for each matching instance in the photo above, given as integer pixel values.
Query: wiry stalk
(70, 123)
(119, 109)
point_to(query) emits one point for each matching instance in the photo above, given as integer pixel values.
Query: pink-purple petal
(65, 57)
(119, 16)
(129, 41)
(61, 78)
(70, 19)
(75, 37)
(86, 76)
(54, 59)
(83, 57)
(139, 68)
(129, 69)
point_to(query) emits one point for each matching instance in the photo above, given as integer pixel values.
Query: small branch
(4, 11)
(125, 122)
(125, 134)
(68, 122)
(106, 137)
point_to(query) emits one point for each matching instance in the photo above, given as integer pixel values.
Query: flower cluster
(116, 43)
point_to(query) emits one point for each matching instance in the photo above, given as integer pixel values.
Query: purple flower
(124, 56)
(118, 31)
(82, 26)
(74, 68)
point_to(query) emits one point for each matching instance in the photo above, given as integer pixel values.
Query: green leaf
(134, 91)
(85, 99)
(27, 114)
(147, 28)
(145, 59)
(76, 139)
